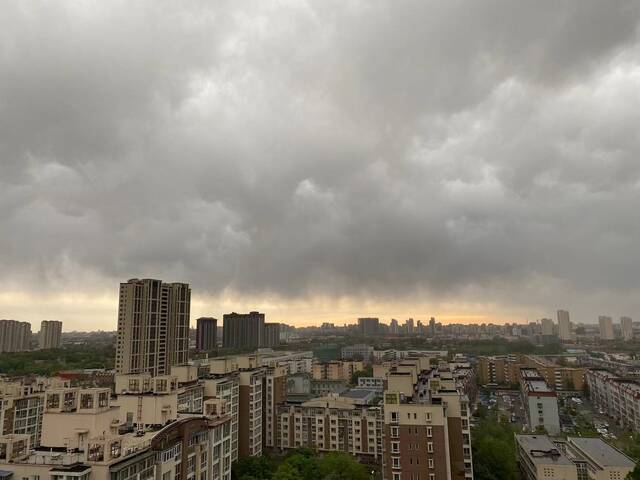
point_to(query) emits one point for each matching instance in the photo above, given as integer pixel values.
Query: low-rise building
(540, 459)
(617, 397)
(540, 402)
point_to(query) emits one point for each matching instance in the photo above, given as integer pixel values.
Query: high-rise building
(250, 418)
(409, 326)
(206, 334)
(50, 334)
(564, 325)
(274, 393)
(243, 330)
(153, 326)
(393, 327)
(432, 327)
(369, 326)
(271, 335)
(546, 325)
(626, 328)
(14, 336)
(606, 328)
(426, 429)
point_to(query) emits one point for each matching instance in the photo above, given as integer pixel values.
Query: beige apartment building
(564, 326)
(153, 326)
(626, 328)
(14, 336)
(606, 328)
(336, 370)
(274, 393)
(332, 424)
(616, 397)
(50, 335)
(85, 439)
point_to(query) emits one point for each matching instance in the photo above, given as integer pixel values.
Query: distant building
(564, 325)
(271, 336)
(369, 326)
(243, 330)
(153, 326)
(14, 336)
(626, 328)
(357, 352)
(606, 328)
(546, 325)
(50, 334)
(206, 334)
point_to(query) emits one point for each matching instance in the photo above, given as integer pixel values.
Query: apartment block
(427, 432)
(336, 370)
(271, 335)
(206, 334)
(250, 413)
(291, 362)
(50, 334)
(540, 459)
(540, 402)
(564, 325)
(153, 326)
(595, 459)
(332, 424)
(14, 336)
(617, 397)
(626, 328)
(606, 328)
(222, 387)
(22, 406)
(369, 326)
(360, 352)
(274, 393)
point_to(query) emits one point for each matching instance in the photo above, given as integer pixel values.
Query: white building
(564, 325)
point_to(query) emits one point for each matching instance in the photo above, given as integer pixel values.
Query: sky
(319, 161)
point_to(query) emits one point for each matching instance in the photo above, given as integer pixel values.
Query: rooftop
(601, 452)
(541, 450)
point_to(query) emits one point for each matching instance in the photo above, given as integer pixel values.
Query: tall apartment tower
(626, 327)
(369, 326)
(206, 334)
(271, 335)
(606, 328)
(564, 325)
(243, 330)
(50, 334)
(153, 326)
(15, 336)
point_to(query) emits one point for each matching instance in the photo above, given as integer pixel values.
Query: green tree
(494, 451)
(340, 466)
(287, 471)
(367, 372)
(253, 468)
(635, 474)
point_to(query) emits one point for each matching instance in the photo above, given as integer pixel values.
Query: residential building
(616, 397)
(50, 334)
(153, 326)
(371, 383)
(291, 362)
(426, 430)
(547, 326)
(243, 330)
(369, 326)
(206, 334)
(606, 328)
(250, 413)
(540, 459)
(336, 370)
(564, 325)
(14, 336)
(595, 459)
(626, 328)
(271, 336)
(332, 424)
(274, 393)
(540, 402)
(357, 352)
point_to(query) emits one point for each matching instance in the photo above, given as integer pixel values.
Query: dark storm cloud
(341, 148)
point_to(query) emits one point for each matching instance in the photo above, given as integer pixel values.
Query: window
(395, 447)
(395, 462)
(430, 447)
(394, 416)
(396, 476)
(394, 432)
(429, 432)
(431, 463)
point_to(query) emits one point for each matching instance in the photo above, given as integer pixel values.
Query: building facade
(626, 328)
(14, 336)
(50, 335)
(243, 330)
(606, 328)
(206, 334)
(153, 326)
(564, 325)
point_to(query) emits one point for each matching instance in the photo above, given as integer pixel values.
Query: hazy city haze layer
(322, 160)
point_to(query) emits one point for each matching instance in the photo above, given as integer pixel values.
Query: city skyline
(321, 160)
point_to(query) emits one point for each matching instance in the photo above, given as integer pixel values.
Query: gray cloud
(483, 150)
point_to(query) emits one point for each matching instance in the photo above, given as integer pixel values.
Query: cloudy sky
(477, 161)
